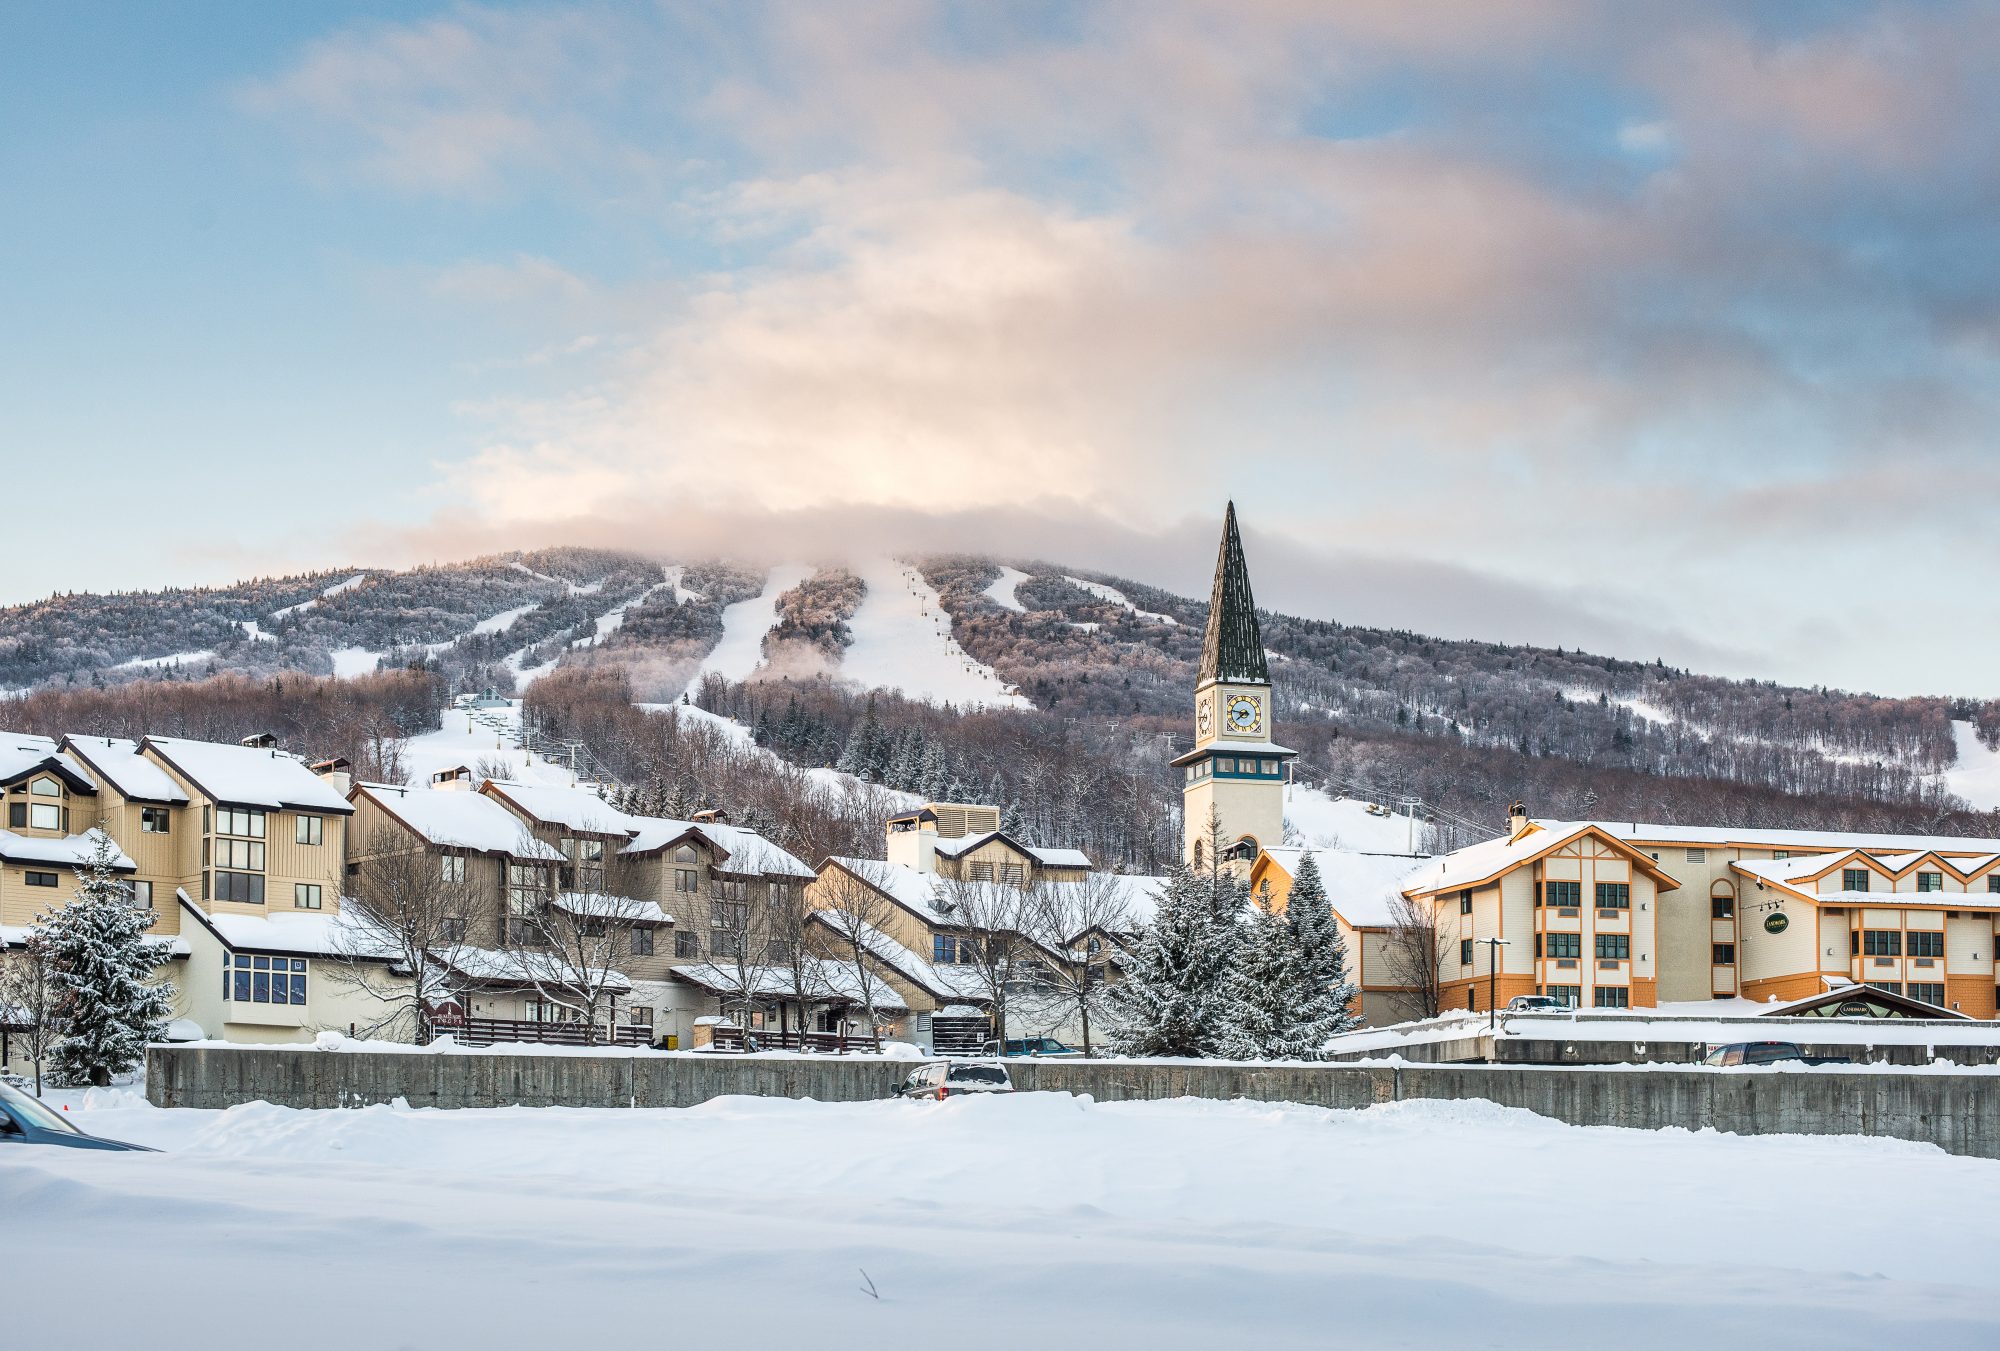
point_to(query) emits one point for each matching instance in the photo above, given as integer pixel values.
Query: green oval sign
(1776, 923)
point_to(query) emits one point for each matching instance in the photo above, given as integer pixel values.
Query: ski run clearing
(1118, 598)
(744, 624)
(1041, 1220)
(902, 641)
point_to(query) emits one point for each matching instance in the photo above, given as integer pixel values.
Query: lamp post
(1493, 946)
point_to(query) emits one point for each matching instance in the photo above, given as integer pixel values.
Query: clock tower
(1235, 770)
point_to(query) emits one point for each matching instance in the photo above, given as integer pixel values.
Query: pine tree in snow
(103, 965)
(1324, 1003)
(1175, 998)
(935, 776)
(1263, 987)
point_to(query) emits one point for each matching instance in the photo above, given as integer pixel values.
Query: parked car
(1765, 1053)
(1535, 1003)
(957, 1077)
(30, 1121)
(1030, 1046)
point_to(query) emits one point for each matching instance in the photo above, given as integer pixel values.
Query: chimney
(459, 779)
(337, 772)
(1517, 819)
(911, 840)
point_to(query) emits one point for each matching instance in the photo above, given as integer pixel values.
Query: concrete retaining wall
(1957, 1112)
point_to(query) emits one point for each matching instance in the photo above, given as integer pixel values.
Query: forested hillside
(1107, 662)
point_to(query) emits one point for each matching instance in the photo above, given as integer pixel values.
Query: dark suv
(1765, 1053)
(1031, 1046)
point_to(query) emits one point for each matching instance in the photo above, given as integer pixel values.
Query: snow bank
(1039, 1219)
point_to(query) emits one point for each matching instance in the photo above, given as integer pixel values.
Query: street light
(1493, 946)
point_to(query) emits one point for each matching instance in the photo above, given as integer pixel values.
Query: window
(728, 889)
(305, 896)
(1563, 945)
(944, 949)
(1781, 853)
(1725, 954)
(1722, 907)
(1465, 952)
(1931, 992)
(1930, 881)
(1854, 879)
(687, 944)
(451, 867)
(725, 944)
(239, 821)
(1464, 902)
(642, 941)
(242, 888)
(729, 915)
(266, 980)
(17, 816)
(640, 1018)
(686, 854)
(1611, 997)
(142, 894)
(39, 879)
(1614, 947)
(781, 893)
(1564, 895)
(311, 829)
(1614, 895)
(687, 880)
(1697, 856)
(45, 816)
(45, 788)
(244, 855)
(1571, 995)
(1881, 943)
(453, 929)
(525, 886)
(1926, 943)
(155, 820)
(1892, 986)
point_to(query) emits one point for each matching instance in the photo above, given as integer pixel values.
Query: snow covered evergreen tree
(1175, 998)
(103, 964)
(1263, 988)
(1325, 1000)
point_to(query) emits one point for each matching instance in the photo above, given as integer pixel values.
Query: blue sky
(1665, 331)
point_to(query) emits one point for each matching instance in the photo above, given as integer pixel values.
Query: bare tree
(788, 943)
(576, 937)
(992, 919)
(852, 900)
(1077, 920)
(1414, 954)
(411, 910)
(28, 1003)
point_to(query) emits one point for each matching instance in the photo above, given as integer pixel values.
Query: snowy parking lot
(1041, 1221)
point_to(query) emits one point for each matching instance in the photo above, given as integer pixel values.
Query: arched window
(1197, 853)
(1246, 849)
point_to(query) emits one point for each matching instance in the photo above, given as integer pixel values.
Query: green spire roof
(1232, 649)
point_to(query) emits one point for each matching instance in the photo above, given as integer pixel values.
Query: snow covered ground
(1976, 776)
(470, 735)
(1325, 821)
(349, 662)
(1001, 593)
(744, 625)
(161, 663)
(348, 585)
(902, 641)
(1041, 1220)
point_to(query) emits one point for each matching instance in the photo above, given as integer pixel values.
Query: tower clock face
(1245, 714)
(1204, 717)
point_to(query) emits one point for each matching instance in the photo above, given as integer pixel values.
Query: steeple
(1232, 650)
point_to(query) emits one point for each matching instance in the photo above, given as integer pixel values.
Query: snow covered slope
(744, 625)
(1328, 822)
(902, 641)
(1118, 598)
(1976, 776)
(1001, 593)
(982, 1223)
(470, 735)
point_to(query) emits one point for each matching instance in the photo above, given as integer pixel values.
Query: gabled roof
(299, 933)
(1231, 647)
(737, 848)
(1478, 864)
(1360, 887)
(1893, 1005)
(455, 819)
(1795, 876)
(118, 762)
(943, 983)
(23, 754)
(244, 776)
(574, 809)
(831, 981)
(961, 845)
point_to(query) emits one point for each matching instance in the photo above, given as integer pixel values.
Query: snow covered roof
(16, 935)
(827, 980)
(1479, 863)
(739, 850)
(22, 753)
(454, 819)
(246, 776)
(301, 933)
(516, 968)
(1644, 833)
(1140, 893)
(941, 982)
(901, 883)
(1360, 887)
(1271, 748)
(71, 851)
(625, 909)
(746, 851)
(959, 845)
(576, 809)
(117, 762)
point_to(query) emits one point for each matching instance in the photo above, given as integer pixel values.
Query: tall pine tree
(1327, 995)
(103, 965)
(1263, 988)
(1175, 998)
